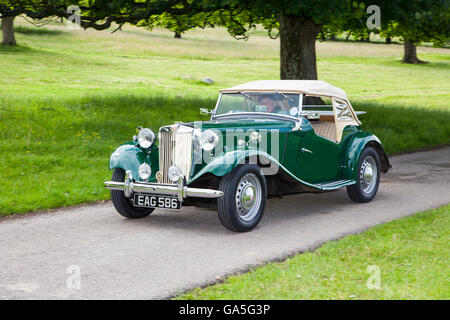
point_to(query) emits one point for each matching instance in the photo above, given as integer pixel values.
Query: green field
(69, 97)
(410, 255)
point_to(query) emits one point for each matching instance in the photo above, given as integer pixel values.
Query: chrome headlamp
(146, 138)
(209, 140)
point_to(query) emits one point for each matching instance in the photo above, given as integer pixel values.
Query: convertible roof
(313, 87)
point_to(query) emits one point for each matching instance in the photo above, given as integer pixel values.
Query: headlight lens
(144, 171)
(255, 137)
(209, 140)
(175, 173)
(146, 137)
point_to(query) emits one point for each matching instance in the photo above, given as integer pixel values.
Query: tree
(35, 9)
(7, 22)
(416, 21)
(8, 31)
(298, 22)
(179, 24)
(428, 21)
(353, 23)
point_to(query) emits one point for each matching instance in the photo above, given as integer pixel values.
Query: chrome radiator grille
(175, 148)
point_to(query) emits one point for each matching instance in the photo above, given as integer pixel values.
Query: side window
(342, 111)
(317, 107)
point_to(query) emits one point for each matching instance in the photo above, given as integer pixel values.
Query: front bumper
(179, 190)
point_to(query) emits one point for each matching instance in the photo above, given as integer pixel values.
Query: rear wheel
(123, 204)
(366, 186)
(244, 200)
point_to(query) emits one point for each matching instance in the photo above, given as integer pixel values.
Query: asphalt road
(98, 254)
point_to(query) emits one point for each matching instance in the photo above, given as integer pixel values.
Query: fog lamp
(144, 171)
(175, 173)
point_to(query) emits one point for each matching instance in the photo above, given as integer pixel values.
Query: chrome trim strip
(263, 115)
(181, 191)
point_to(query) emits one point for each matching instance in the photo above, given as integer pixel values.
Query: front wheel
(123, 204)
(366, 186)
(245, 193)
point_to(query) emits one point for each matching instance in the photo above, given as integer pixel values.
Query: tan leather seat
(325, 129)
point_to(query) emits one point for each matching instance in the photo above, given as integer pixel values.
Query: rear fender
(357, 143)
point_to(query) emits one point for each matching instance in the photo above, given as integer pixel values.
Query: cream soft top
(312, 87)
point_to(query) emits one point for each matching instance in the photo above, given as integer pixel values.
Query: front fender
(356, 145)
(130, 157)
(224, 164)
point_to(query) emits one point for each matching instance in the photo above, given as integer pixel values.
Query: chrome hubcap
(368, 175)
(248, 197)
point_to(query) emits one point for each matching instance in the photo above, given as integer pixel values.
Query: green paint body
(327, 162)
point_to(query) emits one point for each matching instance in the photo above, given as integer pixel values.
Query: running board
(334, 185)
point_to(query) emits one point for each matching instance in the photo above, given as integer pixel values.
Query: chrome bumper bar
(179, 190)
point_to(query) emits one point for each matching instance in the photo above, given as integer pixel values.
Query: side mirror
(205, 111)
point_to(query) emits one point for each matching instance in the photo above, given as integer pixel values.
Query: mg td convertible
(264, 139)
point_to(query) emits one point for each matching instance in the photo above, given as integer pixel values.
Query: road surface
(91, 252)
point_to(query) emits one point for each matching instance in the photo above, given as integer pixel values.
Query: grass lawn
(411, 256)
(68, 98)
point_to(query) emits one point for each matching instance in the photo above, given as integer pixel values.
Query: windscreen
(259, 102)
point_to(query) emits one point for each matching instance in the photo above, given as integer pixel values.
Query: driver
(270, 103)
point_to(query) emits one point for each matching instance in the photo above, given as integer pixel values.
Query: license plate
(150, 201)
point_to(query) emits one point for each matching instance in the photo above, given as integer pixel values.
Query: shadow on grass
(400, 128)
(16, 49)
(38, 31)
(431, 62)
(405, 128)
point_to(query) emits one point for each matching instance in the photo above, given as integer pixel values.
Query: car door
(317, 157)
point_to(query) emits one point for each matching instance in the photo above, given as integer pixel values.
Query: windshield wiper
(285, 96)
(243, 93)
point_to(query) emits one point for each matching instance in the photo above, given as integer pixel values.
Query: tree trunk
(348, 35)
(410, 53)
(298, 48)
(177, 35)
(8, 31)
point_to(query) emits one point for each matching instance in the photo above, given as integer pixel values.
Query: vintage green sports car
(265, 138)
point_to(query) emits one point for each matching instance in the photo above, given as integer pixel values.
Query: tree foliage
(413, 20)
(417, 21)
